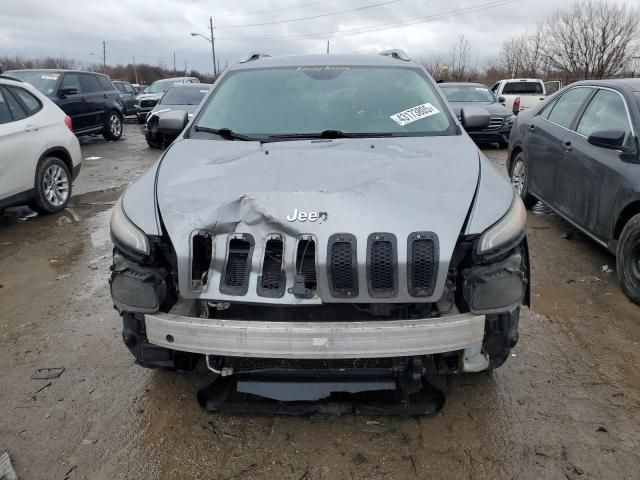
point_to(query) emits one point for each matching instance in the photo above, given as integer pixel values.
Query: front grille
(422, 251)
(306, 281)
(382, 265)
(273, 280)
(236, 272)
(342, 266)
(148, 103)
(495, 123)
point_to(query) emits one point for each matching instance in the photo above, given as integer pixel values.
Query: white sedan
(39, 154)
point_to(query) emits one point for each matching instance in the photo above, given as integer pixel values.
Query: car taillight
(516, 106)
(67, 122)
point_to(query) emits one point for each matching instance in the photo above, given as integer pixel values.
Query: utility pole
(327, 47)
(185, 68)
(213, 48)
(174, 64)
(135, 71)
(104, 57)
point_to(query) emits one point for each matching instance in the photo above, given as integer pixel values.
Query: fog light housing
(135, 288)
(495, 288)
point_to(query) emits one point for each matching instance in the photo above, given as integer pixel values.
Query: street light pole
(213, 48)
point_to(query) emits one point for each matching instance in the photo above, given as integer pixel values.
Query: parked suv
(476, 94)
(151, 95)
(128, 95)
(39, 155)
(89, 98)
(312, 224)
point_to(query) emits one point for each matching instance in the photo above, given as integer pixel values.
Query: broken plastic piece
(47, 374)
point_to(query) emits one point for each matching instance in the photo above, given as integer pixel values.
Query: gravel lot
(566, 405)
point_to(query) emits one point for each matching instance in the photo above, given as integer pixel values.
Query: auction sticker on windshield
(414, 113)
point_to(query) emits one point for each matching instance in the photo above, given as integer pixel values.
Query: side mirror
(501, 99)
(64, 91)
(612, 139)
(474, 118)
(173, 122)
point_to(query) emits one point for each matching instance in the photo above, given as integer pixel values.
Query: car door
(20, 145)
(591, 177)
(75, 105)
(95, 99)
(545, 141)
(131, 98)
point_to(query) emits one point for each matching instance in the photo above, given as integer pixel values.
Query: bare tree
(433, 65)
(460, 55)
(591, 39)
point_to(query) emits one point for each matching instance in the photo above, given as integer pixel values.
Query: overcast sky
(151, 30)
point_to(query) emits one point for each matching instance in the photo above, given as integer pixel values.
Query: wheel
(52, 186)
(113, 126)
(628, 259)
(520, 180)
(153, 138)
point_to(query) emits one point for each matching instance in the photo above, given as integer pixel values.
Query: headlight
(124, 232)
(507, 231)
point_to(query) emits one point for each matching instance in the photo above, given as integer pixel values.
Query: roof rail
(396, 53)
(254, 56)
(7, 77)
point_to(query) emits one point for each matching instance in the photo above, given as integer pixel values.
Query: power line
(382, 26)
(301, 5)
(300, 19)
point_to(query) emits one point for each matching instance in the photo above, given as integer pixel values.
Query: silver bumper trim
(315, 340)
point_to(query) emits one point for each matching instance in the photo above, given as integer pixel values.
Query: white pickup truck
(518, 94)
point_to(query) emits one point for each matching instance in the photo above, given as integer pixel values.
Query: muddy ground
(566, 405)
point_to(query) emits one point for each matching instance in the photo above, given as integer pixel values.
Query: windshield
(302, 99)
(161, 86)
(44, 81)
(184, 96)
(522, 88)
(468, 93)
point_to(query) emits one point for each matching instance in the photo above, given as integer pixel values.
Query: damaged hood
(355, 186)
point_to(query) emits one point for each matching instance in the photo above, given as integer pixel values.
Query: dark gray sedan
(579, 153)
(462, 95)
(185, 97)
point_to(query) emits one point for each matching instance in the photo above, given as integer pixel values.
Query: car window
(606, 112)
(547, 109)
(494, 89)
(162, 86)
(310, 99)
(129, 88)
(71, 80)
(523, 88)
(89, 84)
(5, 114)
(105, 83)
(17, 111)
(468, 93)
(121, 87)
(32, 104)
(566, 107)
(184, 96)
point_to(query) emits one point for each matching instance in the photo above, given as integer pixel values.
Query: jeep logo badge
(300, 216)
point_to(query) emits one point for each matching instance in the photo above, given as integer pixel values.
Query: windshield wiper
(329, 134)
(225, 133)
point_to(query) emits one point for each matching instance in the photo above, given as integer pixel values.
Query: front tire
(519, 176)
(113, 126)
(628, 259)
(52, 186)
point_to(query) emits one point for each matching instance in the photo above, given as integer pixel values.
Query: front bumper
(491, 136)
(316, 340)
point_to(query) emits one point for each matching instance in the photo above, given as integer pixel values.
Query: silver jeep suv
(321, 216)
